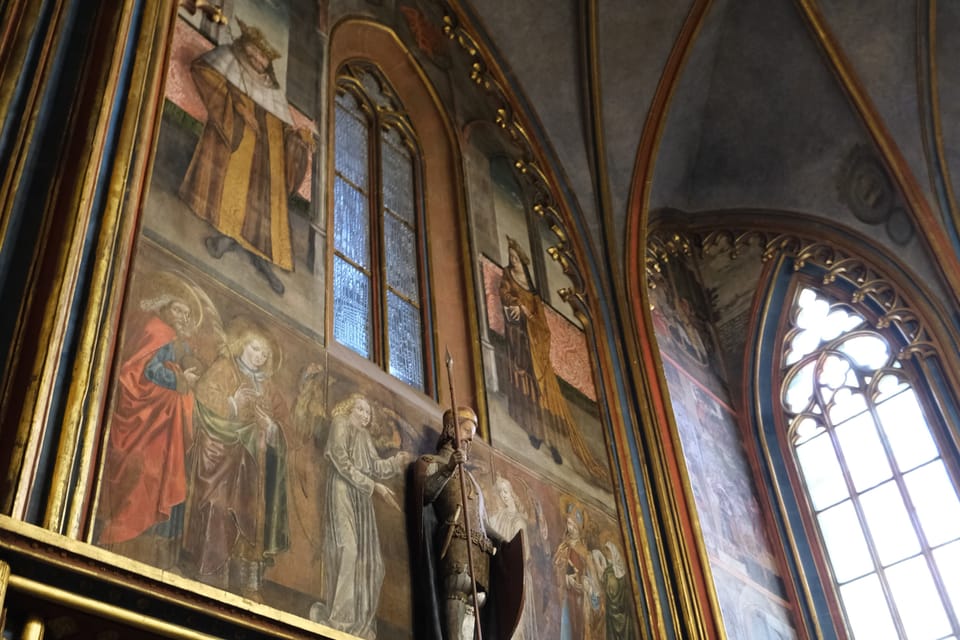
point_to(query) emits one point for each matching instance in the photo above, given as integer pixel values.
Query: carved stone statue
(461, 582)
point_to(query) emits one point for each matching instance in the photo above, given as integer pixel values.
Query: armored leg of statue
(460, 620)
(461, 612)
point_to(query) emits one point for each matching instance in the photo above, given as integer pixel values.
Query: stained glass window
(378, 256)
(885, 504)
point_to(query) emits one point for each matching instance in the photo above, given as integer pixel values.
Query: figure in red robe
(144, 477)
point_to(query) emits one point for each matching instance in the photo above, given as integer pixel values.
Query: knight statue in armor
(482, 580)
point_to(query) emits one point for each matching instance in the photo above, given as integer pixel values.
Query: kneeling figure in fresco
(480, 580)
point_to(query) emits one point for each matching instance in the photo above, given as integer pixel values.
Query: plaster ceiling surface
(539, 44)
(879, 38)
(634, 46)
(758, 118)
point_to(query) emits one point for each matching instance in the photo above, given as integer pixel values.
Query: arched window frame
(890, 316)
(384, 114)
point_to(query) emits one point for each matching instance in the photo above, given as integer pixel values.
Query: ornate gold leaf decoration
(868, 284)
(528, 165)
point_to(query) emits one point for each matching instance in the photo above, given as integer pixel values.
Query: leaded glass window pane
(948, 563)
(935, 502)
(845, 542)
(351, 142)
(845, 404)
(406, 340)
(907, 431)
(875, 451)
(867, 611)
(401, 258)
(398, 177)
(351, 234)
(822, 472)
(863, 452)
(889, 524)
(799, 388)
(377, 270)
(917, 599)
(352, 320)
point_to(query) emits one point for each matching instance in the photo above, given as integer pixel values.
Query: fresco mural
(232, 190)
(682, 322)
(746, 574)
(540, 391)
(741, 557)
(243, 457)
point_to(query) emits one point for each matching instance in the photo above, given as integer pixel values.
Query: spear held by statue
(463, 497)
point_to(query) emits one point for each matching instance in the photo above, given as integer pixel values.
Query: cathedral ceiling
(758, 117)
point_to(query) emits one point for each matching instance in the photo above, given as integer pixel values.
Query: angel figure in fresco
(353, 567)
(534, 397)
(511, 518)
(250, 157)
(144, 480)
(236, 513)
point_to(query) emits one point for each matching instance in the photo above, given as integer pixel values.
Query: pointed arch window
(866, 448)
(379, 286)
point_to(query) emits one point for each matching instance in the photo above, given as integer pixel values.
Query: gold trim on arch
(696, 604)
(930, 82)
(837, 264)
(539, 183)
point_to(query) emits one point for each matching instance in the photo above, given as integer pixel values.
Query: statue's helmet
(463, 413)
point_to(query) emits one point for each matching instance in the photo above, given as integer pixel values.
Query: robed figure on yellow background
(535, 399)
(250, 156)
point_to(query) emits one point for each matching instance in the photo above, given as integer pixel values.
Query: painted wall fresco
(745, 572)
(232, 188)
(541, 395)
(241, 455)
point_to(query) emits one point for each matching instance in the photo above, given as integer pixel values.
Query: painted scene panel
(240, 457)
(234, 181)
(746, 573)
(541, 396)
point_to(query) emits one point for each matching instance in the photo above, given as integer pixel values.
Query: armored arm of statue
(463, 571)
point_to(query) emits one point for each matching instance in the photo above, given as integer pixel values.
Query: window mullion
(926, 549)
(855, 502)
(378, 242)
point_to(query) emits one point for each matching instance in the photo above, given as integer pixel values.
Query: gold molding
(64, 509)
(4, 580)
(941, 165)
(529, 166)
(97, 608)
(34, 627)
(10, 181)
(695, 608)
(21, 19)
(869, 284)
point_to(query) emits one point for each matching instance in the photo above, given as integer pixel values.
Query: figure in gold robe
(236, 511)
(534, 397)
(250, 157)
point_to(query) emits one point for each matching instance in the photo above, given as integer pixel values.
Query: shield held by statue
(507, 576)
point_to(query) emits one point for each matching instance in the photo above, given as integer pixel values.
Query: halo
(173, 284)
(241, 325)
